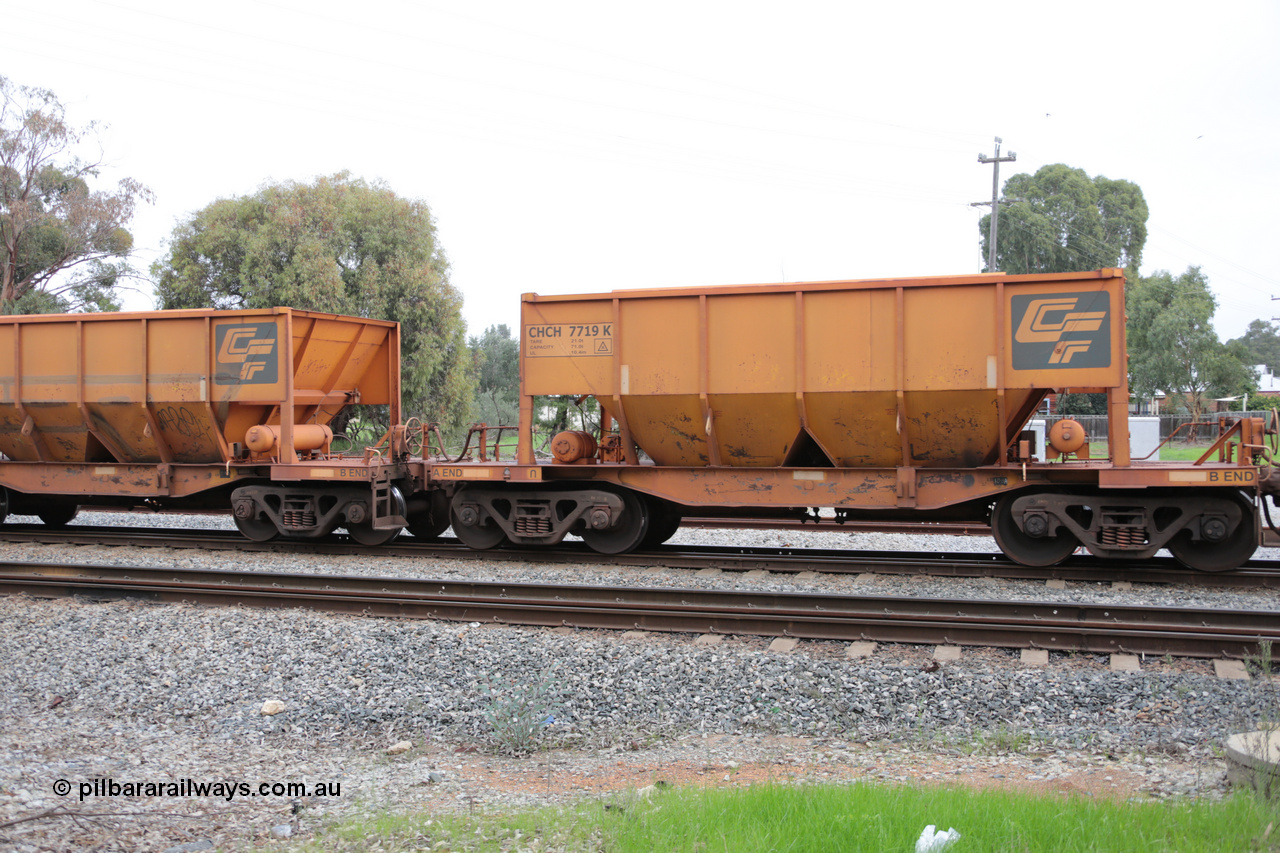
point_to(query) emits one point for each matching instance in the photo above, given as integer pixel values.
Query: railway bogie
(1208, 531)
(609, 520)
(311, 511)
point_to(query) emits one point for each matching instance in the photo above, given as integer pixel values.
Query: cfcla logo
(1050, 319)
(240, 344)
(1062, 330)
(247, 354)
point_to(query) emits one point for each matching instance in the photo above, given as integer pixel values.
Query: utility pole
(995, 200)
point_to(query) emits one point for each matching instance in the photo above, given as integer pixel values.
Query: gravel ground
(143, 693)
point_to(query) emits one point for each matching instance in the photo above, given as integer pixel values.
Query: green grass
(1176, 451)
(801, 818)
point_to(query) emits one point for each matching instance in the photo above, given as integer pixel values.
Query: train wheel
(366, 535)
(429, 517)
(1024, 549)
(664, 521)
(1230, 553)
(627, 534)
(479, 537)
(257, 529)
(59, 516)
(429, 527)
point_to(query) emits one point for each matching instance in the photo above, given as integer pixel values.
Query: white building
(1268, 382)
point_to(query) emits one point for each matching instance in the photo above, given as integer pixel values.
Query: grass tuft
(520, 711)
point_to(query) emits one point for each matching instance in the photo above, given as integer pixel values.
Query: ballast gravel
(127, 691)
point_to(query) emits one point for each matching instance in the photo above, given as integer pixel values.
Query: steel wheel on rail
(366, 535)
(370, 537)
(478, 537)
(1221, 556)
(1027, 550)
(59, 516)
(428, 516)
(664, 521)
(629, 531)
(257, 529)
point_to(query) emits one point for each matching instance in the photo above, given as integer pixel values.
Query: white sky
(587, 146)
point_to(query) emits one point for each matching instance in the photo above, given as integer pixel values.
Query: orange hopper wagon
(200, 410)
(884, 399)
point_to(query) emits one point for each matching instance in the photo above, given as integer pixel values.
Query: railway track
(829, 525)
(1255, 574)
(1108, 629)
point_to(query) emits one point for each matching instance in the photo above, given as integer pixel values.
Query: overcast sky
(581, 147)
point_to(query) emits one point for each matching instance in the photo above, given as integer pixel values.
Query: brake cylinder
(265, 438)
(1067, 436)
(572, 445)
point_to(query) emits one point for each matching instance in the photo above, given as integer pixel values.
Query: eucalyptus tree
(1172, 343)
(64, 244)
(1061, 220)
(1260, 344)
(338, 244)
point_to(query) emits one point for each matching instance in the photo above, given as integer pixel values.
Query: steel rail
(1063, 626)
(830, 525)
(1255, 574)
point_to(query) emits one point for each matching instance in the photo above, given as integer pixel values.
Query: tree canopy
(340, 245)
(65, 245)
(1064, 221)
(1172, 344)
(1082, 404)
(1260, 344)
(495, 358)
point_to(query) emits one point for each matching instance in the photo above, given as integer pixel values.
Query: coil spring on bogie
(298, 518)
(532, 525)
(1123, 536)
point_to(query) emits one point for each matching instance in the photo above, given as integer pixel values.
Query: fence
(1096, 425)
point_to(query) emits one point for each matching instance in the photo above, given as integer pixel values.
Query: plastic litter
(931, 841)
